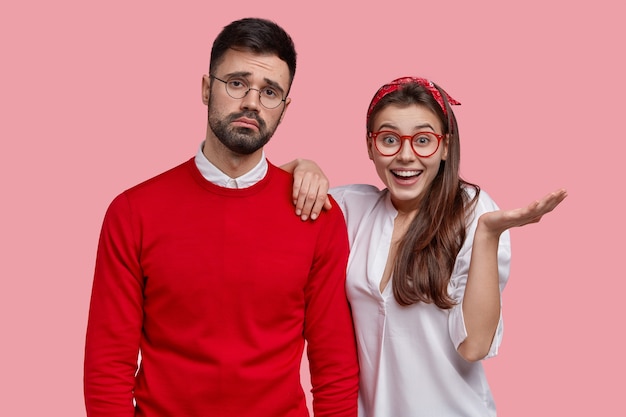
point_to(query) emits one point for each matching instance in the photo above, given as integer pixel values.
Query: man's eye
(270, 93)
(236, 84)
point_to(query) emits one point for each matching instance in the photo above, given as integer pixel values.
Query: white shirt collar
(213, 174)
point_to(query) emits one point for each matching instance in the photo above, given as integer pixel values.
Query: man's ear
(282, 114)
(206, 89)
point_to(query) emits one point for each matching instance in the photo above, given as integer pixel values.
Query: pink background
(97, 97)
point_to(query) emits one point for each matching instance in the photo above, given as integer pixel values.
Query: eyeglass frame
(283, 100)
(374, 135)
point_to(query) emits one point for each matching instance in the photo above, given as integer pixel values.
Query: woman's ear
(368, 141)
(444, 151)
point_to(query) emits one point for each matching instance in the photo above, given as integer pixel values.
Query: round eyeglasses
(388, 143)
(238, 88)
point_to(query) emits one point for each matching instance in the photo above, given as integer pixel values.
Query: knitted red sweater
(219, 288)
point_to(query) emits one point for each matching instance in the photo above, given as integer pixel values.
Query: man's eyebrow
(238, 74)
(274, 84)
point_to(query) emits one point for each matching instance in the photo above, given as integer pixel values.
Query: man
(207, 272)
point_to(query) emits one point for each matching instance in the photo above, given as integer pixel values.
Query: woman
(429, 258)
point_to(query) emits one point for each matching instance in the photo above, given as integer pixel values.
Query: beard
(240, 140)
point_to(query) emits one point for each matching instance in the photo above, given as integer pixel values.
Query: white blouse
(409, 363)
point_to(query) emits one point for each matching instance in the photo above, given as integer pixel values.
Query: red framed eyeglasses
(389, 143)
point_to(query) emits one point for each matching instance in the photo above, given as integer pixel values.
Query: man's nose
(252, 100)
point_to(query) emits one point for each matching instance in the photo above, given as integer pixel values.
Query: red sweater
(219, 288)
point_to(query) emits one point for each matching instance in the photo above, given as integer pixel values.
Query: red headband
(399, 82)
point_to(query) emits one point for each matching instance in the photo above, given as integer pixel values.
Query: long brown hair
(428, 250)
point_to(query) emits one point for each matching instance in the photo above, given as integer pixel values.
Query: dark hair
(260, 36)
(428, 250)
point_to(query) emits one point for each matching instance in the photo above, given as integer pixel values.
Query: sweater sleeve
(328, 324)
(115, 317)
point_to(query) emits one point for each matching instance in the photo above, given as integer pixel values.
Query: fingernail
(304, 217)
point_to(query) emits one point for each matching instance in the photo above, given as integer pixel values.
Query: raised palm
(501, 220)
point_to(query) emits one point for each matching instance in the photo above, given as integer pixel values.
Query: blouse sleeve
(355, 201)
(458, 281)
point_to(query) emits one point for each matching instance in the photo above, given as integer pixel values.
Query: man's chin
(243, 151)
(245, 147)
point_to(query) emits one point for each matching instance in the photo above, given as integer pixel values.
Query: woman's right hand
(310, 188)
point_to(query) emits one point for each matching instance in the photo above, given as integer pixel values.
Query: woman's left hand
(499, 221)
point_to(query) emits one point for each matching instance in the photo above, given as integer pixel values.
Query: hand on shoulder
(310, 188)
